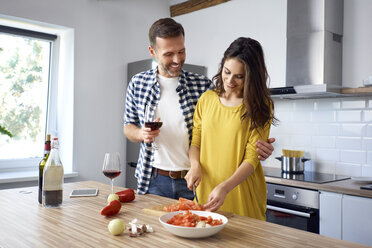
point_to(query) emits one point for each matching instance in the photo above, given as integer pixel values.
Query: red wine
(52, 198)
(154, 125)
(111, 173)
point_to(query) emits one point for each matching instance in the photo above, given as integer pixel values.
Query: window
(44, 53)
(25, 66)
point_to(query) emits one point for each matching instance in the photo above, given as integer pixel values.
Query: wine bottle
(41, 167)
(53, 178)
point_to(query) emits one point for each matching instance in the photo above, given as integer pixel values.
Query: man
(172, 95)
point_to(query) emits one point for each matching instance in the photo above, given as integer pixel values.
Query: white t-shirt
(173, 139)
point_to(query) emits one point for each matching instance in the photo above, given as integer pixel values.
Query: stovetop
(307, 176)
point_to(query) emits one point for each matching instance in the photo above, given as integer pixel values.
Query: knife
(194, 191)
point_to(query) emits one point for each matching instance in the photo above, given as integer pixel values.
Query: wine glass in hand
(151, 123)
(111, 167)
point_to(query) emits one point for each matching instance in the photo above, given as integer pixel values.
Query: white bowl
(193, 232)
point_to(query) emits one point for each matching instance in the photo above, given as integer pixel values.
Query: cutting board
(158, 211)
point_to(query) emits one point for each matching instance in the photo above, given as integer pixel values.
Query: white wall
(210, 31)
(108, 35)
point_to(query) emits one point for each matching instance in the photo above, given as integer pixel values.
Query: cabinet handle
(288, 211)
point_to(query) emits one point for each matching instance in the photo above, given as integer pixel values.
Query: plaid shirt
(144, 89)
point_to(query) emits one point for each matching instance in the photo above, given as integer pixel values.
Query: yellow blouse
(225, 142)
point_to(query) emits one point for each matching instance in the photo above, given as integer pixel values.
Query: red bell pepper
(111, 209)
(126, 195)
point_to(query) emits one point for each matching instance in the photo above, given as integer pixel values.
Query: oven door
(298, 217)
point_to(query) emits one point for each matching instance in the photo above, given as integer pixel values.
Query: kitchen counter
(78, 223)
(347, 186)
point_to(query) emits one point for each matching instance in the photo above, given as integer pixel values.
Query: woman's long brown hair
(256, 97)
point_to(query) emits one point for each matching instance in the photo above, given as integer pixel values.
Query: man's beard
(171, 72)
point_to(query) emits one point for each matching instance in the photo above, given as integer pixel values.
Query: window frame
(58, 65)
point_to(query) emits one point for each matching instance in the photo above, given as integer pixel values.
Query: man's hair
(165, 28)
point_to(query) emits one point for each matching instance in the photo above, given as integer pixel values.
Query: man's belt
(171, 174)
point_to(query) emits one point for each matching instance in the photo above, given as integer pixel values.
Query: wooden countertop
(347, 186)
(78, 223)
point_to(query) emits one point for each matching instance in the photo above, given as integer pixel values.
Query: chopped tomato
(189, 219)
(183, 204)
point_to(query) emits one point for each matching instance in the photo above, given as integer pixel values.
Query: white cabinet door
(357, 219)
(330, 214)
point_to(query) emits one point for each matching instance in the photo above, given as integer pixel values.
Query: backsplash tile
(328, 154)
(323, 104)
(323, 141)
(324, 166)
(352, 130)
(349, 116)
(367, 144)
(300, 141)
(369, 158)
(335, 133)
(351, 143)
(353, 104)
(367, 115)
(284, 116)
(367, 170)
(353, 170)
(301, 116)
(283, 105)
(301, 105)
(328, 129)
(369, 130)
(326, 116)
(349, 156)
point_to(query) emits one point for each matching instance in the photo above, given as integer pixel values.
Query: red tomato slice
(189, 219)
(183, 204)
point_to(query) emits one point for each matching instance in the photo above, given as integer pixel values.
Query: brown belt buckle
(183, 174)
(170, 174)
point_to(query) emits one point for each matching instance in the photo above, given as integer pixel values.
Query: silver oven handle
(288, 211)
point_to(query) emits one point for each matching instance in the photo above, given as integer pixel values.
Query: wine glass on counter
(111, 167)
(151, 123)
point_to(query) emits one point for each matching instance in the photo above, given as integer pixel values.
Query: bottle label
(53, 178)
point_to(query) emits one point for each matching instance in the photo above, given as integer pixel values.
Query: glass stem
(112, 186)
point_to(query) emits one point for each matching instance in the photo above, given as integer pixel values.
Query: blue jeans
(168, 187)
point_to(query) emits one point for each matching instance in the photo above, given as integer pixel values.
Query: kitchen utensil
(292, 164)
(195, 196)
(193, 232)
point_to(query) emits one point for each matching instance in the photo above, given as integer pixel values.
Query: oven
(293, 207)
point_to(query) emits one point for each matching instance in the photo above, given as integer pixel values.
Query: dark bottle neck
(47, 148)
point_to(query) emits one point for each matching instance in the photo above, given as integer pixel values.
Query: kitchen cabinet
(356, 219)
(330, 214)
(346, 217)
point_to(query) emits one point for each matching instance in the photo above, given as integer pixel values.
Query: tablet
(83, 192)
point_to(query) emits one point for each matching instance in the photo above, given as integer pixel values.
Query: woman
(228, 121)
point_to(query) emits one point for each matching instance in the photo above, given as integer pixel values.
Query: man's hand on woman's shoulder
(265, 149)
